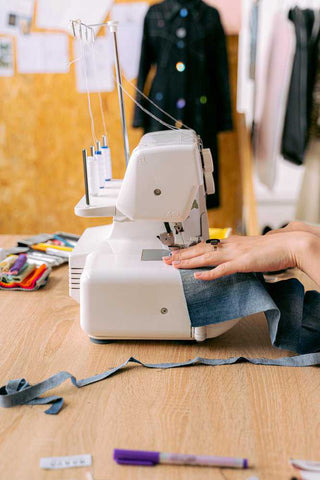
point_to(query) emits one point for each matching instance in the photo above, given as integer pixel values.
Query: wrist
(306, 247)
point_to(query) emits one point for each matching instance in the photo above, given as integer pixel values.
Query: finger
(272, 232)
(212, 259)
(189, 252)
(226, 268)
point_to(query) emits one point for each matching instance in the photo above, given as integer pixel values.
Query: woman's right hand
(297, 226)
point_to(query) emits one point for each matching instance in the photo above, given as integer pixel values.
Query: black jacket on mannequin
(185, 41)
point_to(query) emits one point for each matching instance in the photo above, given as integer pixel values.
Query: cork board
(44, 124)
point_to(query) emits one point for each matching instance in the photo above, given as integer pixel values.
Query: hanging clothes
(308, 206)
(185, 41)
(297, 122)
(268, 131)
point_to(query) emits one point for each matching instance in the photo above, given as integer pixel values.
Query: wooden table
(268, 414)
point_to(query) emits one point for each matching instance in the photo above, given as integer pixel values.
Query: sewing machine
(116, 271)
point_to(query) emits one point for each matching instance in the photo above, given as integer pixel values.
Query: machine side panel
(124, 297)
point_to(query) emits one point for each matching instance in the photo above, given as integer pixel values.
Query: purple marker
(149, 459)
(18, 264)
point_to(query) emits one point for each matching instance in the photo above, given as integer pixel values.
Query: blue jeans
(293, 316)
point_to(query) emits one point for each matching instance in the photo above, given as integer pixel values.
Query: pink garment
(230, 11)
(268, 132)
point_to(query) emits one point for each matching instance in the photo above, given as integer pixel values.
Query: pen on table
(63, 240)
(44, 247)
(140, 457)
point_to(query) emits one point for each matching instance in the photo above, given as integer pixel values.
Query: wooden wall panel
(44, 124)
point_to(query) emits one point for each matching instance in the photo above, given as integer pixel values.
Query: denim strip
(19, 392)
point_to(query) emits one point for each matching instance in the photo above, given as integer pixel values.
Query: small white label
(72, 461)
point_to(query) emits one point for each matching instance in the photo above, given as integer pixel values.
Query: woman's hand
(297, 226)
(252, 254)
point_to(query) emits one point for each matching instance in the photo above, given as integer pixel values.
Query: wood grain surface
(267, 414)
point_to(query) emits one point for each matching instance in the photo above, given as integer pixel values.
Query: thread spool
(93, 175)
(101, 165)
(107, 159)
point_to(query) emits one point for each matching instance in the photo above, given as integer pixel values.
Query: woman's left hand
(241, 254)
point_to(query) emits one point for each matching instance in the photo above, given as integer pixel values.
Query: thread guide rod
(113, 25)
(85, 174)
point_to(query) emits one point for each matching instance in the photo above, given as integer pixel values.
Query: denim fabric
(293, 316)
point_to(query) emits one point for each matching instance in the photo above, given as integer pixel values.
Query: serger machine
(116, 271)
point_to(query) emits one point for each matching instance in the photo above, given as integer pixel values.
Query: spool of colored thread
(18, 264)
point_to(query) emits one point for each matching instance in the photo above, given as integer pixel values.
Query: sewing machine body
(116, 271)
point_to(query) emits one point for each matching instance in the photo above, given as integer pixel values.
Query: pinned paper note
(16, 16)
(56, 14)
(94, 67)
(131, 17)
(43, 53)
(6, 57)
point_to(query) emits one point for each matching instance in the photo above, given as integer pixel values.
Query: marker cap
(136, 457)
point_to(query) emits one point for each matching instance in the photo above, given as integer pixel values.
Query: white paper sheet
(56, 14)
(15, 15)
(96, 63)
(130, 17)
(43, 53)
(6, 57)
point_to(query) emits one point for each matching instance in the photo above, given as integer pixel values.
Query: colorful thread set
(30, 268)
(18, 273)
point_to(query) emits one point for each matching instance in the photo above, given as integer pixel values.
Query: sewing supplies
(146, 458)
(63, 241)
(101, 165)
(18, 264)
(85, 176)
(52, 249)
(23, 274)
(70, 461)
(27, 266)
(107, 158)
(62, 253)
(44, 257)
(46, 246)
(18, 277)
(7, 263)
(92, 173)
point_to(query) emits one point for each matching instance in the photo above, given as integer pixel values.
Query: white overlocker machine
(116, 271)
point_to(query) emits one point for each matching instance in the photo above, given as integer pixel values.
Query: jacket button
(180, 66)
(180, 44)
(183, 12)
(181, 32)
(181, 103)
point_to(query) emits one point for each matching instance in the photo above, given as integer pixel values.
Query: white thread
(157, 106)
(171, 127)
(84, 63)
(74, 61)
(99, 93)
